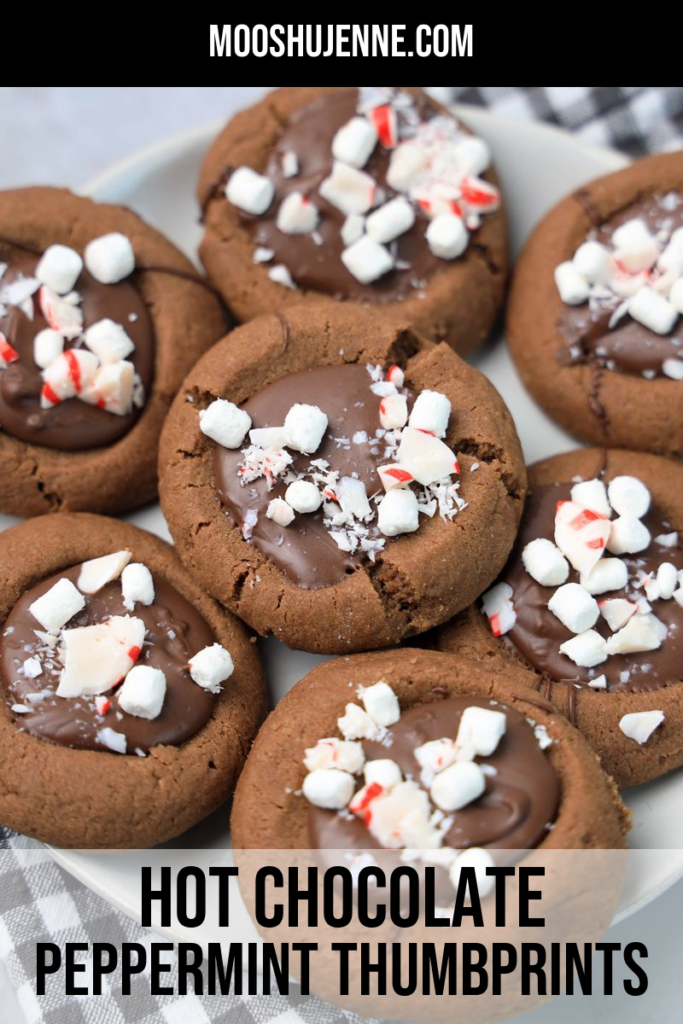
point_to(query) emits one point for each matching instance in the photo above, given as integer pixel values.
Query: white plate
(538, 165)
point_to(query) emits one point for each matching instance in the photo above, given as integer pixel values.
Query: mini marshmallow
(498, 607)
(97, 657)
(137, 585)
(280, 512)
(290, 164)
(672, 257)
(425, 456)
(652, 310)
(110, 258)
(545, 563)
(592, 494)
(225, 423)
(628, 536)
(673, 368)
(353, 498)
(143, 691)
(334, 753)
(354, 142)
(303, 496)
(639, 725)
(297, 215)
(447, 236)
(641, 633)
(480, 730)
(617, 611)
(268, 437)
(457, 786)
(280, 274)
(367, 260)
(249, 191)
(381, 703)
(572, 287)
(96, 573)
(635, 247)
(574, 607)
(629, 497)
(59, 268)
(586, 649)
(408, 162)
(329, 788)
(383, 772)
(678, 596)
(479, 859)
(113, 740)
(676, 295)
(305, 427)
(68, 375)
(594, 263)
(607, 574)
(393, 412)
(352, 229)
(398, 512)
(394, 476)
(348, 189)
(390, 220)
(431, 412)
(667, 579)
(47, 345)
(667, 540)
(108, 341)
(356, 724)
(472, 155)
(59, 604)
(210, 667)
(580, 534)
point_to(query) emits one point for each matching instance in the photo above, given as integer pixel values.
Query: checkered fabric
(41, 902)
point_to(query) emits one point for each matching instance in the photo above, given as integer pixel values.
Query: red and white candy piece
(137, 585)
(7, 353)
(225, 423)
(109, 341)
(335, 753)
(367, 260)
(393, 412)
(304, 428)
(113, 388)
(447, 236)
(545, 563)
(62, 316)
(457, 786)
(102, 705)
(425, 456)
(572, 287)
(47, 346)
(398, 512)
(381, 703)
(433, 757)
(249, 191)
(498, 607)
(210, 667)
(586, 649)
(354, 142)
(356, 724)
(297, 215)
(329, 788)
(617, 611)
(361, 804)
(396, 376)
(390, 220)
(384, 772)
(353, 498)
(580, 534)
(59, 268)
(98, 657)
(574, 607)
(479, 195)
(143, 692)
(112, 740)
(97, 572)
(399, 818)
(607, 574)
(592, 494)
(57, 605)
(641, 633)
(303, 496)
(348, 189)
(408, 163)
(628, 536)
(110, 258)
(652, 310)
(479, 859)
(480, 731)
(629, 496)
(639, 725)
(635, 248)
(594, 263)
(394, 476)
(68, 375)
(386, 125)
(280, 512)
(431, 413)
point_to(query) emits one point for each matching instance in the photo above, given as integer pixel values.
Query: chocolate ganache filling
(175, 632)
(537, 633)
(72, 424)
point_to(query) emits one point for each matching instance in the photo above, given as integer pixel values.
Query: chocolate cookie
(100, 319)
(594, 314)
(372, 195)
(130, 698)
(591, 603)
(338, 481)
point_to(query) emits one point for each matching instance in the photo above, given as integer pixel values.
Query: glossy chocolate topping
(73, 425)
(537, 633)
(304, 550)
(318, 265)
(520, 801)
(628, 347)
(175, 632)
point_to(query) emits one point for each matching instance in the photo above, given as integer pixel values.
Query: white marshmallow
(305, 427)
(347, 188)
(629, 497)
(354, 142)
(297, 215)
(335, 753)
(572, 287)
(398, 512)
(480, 730)
(391, 220)
(479, 859)
(447, 236)
(352, 229)
(672, 257)
(353, 498)
(96, 573)
(95, 658)
(408, 162)
(210, 667)
(673, 368)
(290, 164)
(457, 786)
(394, 476)
(383, 772)
(574, 607)
(676, 295)
(667, 578)
(580, 534)
(652, 311)
(431, 412)
(635, 247)
(381, 703)
(426, 457)
(280, 274)
(498, 607)
(592, 494)
(586, 649)
(641, 633)
(593, 262)
(607, 574)
(393, 412)
(68, 375)
(108, 341)
(137, 585)
(678, 597)
(249, 191)
(472, 155)
(617, 611)
(143, 692)
(280, 512)
(545, 562)
(47, 345)
(225, 423)
(59, 268)
(268, 437)
(303, 496)
(110, 258)
(366, 260)
(356, 724)
(639, 725)
(329, 788)
(59, 604)
(628, 536)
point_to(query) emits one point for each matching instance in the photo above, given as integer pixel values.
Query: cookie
(594, 313)
(130, 698)
(591, 604)
(338, 481)
(372, 195)
(100, 319)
